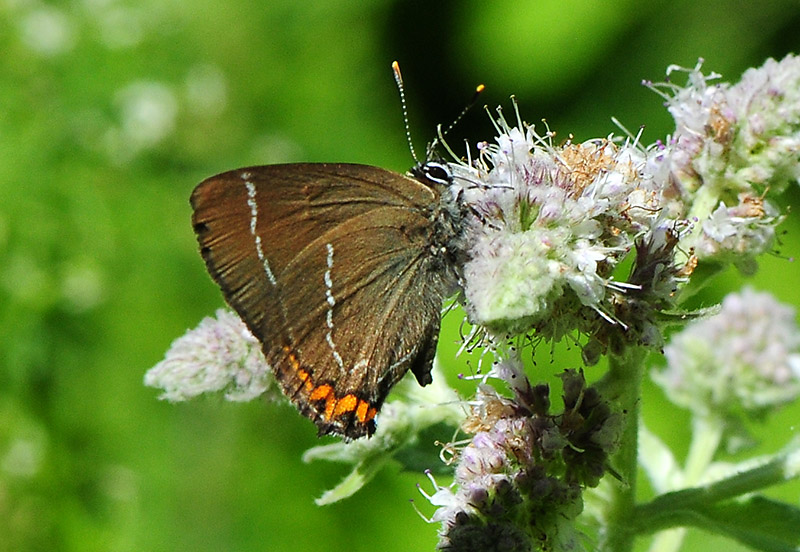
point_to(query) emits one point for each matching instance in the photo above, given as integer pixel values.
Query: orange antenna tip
(396, 70)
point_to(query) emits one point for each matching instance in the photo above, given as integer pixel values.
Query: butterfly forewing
(333, 268)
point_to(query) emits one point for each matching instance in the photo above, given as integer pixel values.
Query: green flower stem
(706, 437)
(705, 201)
(673, 509)
(622, 384)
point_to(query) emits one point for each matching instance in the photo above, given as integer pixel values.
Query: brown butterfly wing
(331, 268)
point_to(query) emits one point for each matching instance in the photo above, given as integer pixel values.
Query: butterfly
(340, 271)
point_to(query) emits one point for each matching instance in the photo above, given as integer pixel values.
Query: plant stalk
(622, 384)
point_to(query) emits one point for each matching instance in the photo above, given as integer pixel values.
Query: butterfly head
(434, 172)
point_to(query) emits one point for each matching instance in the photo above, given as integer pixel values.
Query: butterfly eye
(437, 172)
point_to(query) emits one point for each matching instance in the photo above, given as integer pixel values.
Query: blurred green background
(112, 110)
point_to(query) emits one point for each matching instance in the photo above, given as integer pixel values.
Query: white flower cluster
(746, 136)
(549, 224)
(734, 149)
(744, 359)
(219, 355)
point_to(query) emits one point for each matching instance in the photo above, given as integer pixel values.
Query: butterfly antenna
(478, 90)
(442, 133)
(398, 78)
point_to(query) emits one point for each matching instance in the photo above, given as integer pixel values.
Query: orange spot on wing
(361, 411)
(334, 406)
(330, 404)
(346, 404)
(305, 377)
(291, 356)
(321, 393)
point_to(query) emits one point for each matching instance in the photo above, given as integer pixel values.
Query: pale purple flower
(220, 355)
(734, 150)
(521, 475)
(549, 225)
(742, 361)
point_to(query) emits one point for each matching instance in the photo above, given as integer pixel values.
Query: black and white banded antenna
(398, 78)
(442, 133)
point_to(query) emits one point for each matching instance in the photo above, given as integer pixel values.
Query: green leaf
(362, 473)
(675, 508)
(758, 522)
